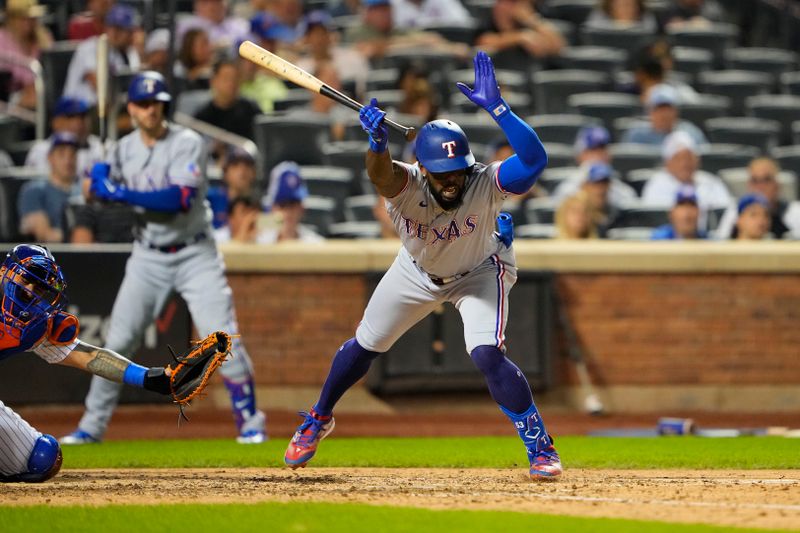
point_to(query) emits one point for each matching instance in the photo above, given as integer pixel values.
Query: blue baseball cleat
(304, 444)
(545, 464)
(78, 436)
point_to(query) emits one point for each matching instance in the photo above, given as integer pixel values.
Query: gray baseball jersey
(446, 243)
(17, 437)
(176, 159)
(476, 271)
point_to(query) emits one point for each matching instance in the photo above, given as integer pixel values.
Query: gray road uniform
(447, 256)
(173, 251)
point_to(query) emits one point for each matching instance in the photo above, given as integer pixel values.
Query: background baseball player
(158, 168)
(445, 209)
(33, 303)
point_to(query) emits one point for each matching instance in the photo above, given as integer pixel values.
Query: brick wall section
(293, 324)
(637, 329)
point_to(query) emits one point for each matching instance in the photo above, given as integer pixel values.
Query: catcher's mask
(32, 288)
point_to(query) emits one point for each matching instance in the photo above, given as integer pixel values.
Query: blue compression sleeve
(134, 375)
(169, 200)
(519, 172)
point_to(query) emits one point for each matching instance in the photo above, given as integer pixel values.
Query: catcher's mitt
(190, 374)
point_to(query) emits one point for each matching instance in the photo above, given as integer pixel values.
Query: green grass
(302, 517)
(491, 452)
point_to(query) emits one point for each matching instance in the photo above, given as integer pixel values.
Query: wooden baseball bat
(293, 73)
(102, 88)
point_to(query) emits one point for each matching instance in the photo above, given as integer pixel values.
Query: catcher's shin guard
(43, 463)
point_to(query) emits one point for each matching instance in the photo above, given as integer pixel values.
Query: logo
(423, 204)
(450, 146)
(149, 85)
(499, 110)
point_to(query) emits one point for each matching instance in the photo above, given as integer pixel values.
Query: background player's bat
(102, 88)
(288, 71)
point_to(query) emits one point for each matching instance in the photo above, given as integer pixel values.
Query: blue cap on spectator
(599, 172)
(686, 195)
(63, 138)
(267, 26)
(122, 16)
(662, 94)
(750, 199)
(286, 185)
(591, 137)
(370, 3)
(318, 17)
(67, 105)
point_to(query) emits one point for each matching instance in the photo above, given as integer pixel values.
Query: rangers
(445, 209)
(158, 169)
(33, 300)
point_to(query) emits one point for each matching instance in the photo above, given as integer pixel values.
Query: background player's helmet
(32, 288)
(148, 85)
(442, 146)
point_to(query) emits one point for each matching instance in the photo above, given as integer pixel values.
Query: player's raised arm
(114, 367)
(388, 178)
(519, 172)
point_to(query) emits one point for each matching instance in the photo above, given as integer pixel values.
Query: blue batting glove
(101, 185)
(486, 93)
(371, 118)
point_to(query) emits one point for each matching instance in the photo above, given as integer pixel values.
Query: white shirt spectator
(662, 187)
(222, 35)
(87, 156)
(84, 61)
(620, 194)
(410, 14)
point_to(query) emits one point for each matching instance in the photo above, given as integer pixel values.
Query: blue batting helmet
(442, 146)
(32, 288)
(148, 85)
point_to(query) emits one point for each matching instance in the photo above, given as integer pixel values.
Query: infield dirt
(748, 498)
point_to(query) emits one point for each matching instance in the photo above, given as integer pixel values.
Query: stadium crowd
(663, 119)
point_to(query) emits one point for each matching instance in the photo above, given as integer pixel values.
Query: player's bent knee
(487, 357)
(371, 343)
(45, 460)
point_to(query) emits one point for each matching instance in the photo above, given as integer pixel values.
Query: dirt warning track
(746, 498)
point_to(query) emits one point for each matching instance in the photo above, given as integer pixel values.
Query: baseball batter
(33, 302)
(158, 168)
(445, 209)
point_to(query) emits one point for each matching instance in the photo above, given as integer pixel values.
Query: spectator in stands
(376, 35)
(515, 25)
(683, 218)
(238, 181)
(121, 23)
(591, 149)
(156, 51)
(598, 185)
(228, 109)
(426, 13)
(42, 204)
(693, 13)
(681, 158)
(762, 180)
(211, 15)
(753, 218)
(195, 59)
(70, 115)
(242, 222)
(624, 14)
(574, 218)
(289, 13)
(651, 66)
(321, 48)
(22, 38)
(284, 200)
(664, 119)
(89, 23)
(258, 84)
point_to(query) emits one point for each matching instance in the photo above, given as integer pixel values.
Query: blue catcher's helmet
(148, 85)
(442, 146)
(32, 288)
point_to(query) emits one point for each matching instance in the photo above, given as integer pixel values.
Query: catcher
(33, 301)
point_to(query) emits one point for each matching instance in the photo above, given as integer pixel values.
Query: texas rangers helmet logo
(450, 146)
(149, 85)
